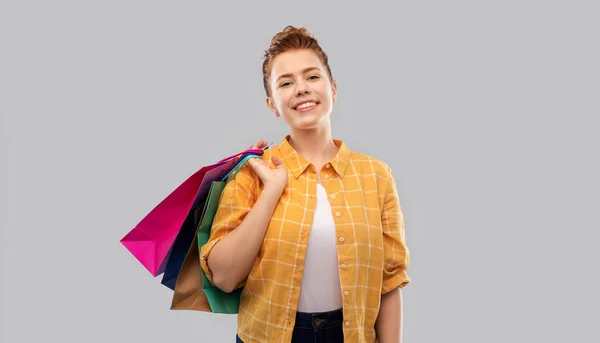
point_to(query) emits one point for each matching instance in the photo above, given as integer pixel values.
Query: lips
(303, 104)
(306, 106)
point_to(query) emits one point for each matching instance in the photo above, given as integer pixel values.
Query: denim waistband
(319, 320)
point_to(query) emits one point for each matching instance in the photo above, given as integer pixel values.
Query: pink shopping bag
(152, 238)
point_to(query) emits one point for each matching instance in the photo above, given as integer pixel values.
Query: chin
(309, 124)
(306, 121)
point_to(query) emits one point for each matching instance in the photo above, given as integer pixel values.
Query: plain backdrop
(487, 112)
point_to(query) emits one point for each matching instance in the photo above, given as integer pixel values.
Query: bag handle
(233, 171)
(249, 150)
(254, 151)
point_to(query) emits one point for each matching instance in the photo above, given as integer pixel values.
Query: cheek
(281, 105)
(282, 101)
(326, 92)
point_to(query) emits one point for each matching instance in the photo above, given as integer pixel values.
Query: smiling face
(301, 90)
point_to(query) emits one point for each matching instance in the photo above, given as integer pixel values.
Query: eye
(284, 84)
(314, 77)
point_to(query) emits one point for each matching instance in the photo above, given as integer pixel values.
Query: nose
(302, 89)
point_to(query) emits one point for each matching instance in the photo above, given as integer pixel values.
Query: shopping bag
(181, 245)
(184, 238)
(193, 291)
(188, 293)
(219, 301)
(151, 240)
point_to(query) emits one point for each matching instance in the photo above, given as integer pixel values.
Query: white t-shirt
(321, 288)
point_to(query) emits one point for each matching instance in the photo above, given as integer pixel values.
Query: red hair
(291, 38)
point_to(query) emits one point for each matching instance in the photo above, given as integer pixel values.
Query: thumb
(276, 161)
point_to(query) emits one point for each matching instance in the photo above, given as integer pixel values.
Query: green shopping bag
(220, 302)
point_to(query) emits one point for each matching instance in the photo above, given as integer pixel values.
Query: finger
(276, 161)
(257, 163)
(253, 161)
(261, 168)
(260, 144)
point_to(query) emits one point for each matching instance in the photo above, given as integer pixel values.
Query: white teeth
(306, 105)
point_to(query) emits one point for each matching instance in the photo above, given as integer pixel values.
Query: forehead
(294, 61)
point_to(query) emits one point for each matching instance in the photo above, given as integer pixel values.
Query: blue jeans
(324, 327)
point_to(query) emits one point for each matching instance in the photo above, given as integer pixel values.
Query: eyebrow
(305, 70)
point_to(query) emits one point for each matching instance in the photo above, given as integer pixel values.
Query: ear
(334, 91)
(271, 106)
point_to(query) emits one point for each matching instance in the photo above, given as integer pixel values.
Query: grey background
(487, 113)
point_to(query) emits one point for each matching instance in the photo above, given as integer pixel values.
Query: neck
(316, 146)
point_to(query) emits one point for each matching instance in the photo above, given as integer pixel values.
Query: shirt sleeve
(396, 256)
(237, 198)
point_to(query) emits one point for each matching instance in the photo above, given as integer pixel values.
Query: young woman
(312, 231)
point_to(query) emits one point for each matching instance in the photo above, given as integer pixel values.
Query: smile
(307, 106)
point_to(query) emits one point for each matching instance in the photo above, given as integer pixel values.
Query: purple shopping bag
(150, 241)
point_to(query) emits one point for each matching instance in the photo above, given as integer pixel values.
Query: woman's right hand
(276, 178)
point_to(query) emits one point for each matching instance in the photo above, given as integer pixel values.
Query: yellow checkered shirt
(372, 251)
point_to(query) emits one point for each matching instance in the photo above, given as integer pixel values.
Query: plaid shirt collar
(297, 164)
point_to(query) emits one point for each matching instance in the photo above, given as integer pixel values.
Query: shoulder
(362, 161)
(369, 166)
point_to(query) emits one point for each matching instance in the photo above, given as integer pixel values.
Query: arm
(396, 256)
(232, 257)
(388, 326)
(241, 221)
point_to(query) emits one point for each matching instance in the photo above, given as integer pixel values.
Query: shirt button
(347, 324)
(327, 176)
(343, 266)
(337, 214)
(346, 293)
(341, 239)
(332, 196)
